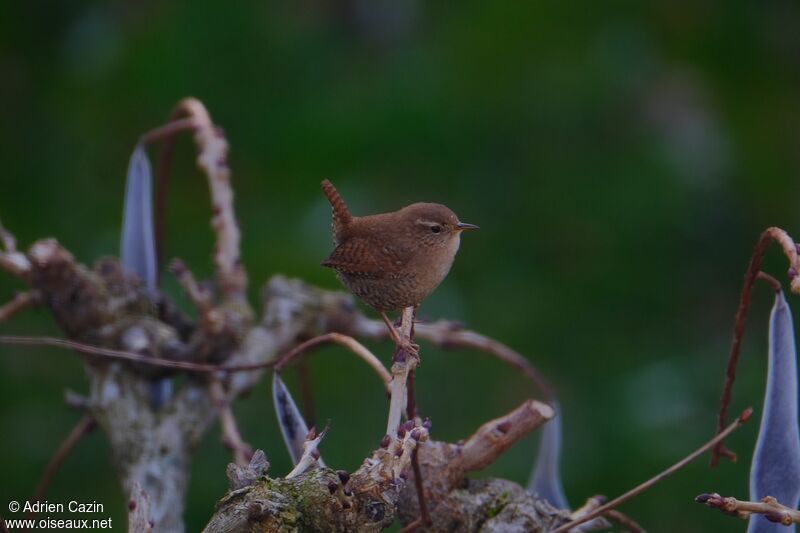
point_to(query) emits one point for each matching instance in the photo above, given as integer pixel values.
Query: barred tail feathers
(341, 215)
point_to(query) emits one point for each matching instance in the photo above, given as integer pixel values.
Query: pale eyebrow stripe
(427, 222)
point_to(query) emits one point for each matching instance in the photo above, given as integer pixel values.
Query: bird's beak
(462, 226)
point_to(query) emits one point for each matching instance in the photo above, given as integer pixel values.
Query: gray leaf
(138, 244)
(546, 478)
(138, 247)
(775, 470)
(293, 427)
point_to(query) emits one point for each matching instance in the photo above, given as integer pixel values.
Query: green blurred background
(620, 159)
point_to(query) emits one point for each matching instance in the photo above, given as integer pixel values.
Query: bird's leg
(411, 414)
(393, 333)
(398, 339)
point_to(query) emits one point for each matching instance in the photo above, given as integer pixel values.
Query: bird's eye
(436, 228)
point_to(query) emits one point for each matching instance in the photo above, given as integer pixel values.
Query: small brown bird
(393, 260)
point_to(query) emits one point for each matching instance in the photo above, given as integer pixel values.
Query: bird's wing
(362, 257)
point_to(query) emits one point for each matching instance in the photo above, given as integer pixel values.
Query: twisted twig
(772, 510)
(659, 477)
(85, 425)
(790, 251)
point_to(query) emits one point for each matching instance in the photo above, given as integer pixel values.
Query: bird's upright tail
(341, 215)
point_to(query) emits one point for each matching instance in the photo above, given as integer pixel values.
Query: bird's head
(434, 224)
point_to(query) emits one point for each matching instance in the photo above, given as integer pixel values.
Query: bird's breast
(434, 263)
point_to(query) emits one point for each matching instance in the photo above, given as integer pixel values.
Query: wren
(393, 260)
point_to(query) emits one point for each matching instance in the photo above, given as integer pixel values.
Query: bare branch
(338, 338)
(413, 526)
(126, 356)
(76, 401)
(445, 466)
(21, 301)
(212, 158)
(769, 280)
(790, 251)
(242, 452)
(11, 260)
(169, 130)
(343, 340)
(616, 502)
(449, 335)
(139, 510)
(84, 426)
(422, 499)
(190, 113)
(310, 453)
(212, 320)
(402, 366)
(602, 522)
(7, 240)
(240, 477)
(496, 436)
(591, 504)
(772, 510)
(625, 521)
(411, 414)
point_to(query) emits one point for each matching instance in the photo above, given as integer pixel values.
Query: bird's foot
(406, 349)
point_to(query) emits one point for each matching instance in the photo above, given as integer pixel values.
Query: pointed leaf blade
(137, 247)
(137, 243)
(775, 470)
(546, 477)
(293, 427)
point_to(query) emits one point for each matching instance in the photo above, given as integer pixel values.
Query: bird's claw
(406, 349)
(411, 348)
